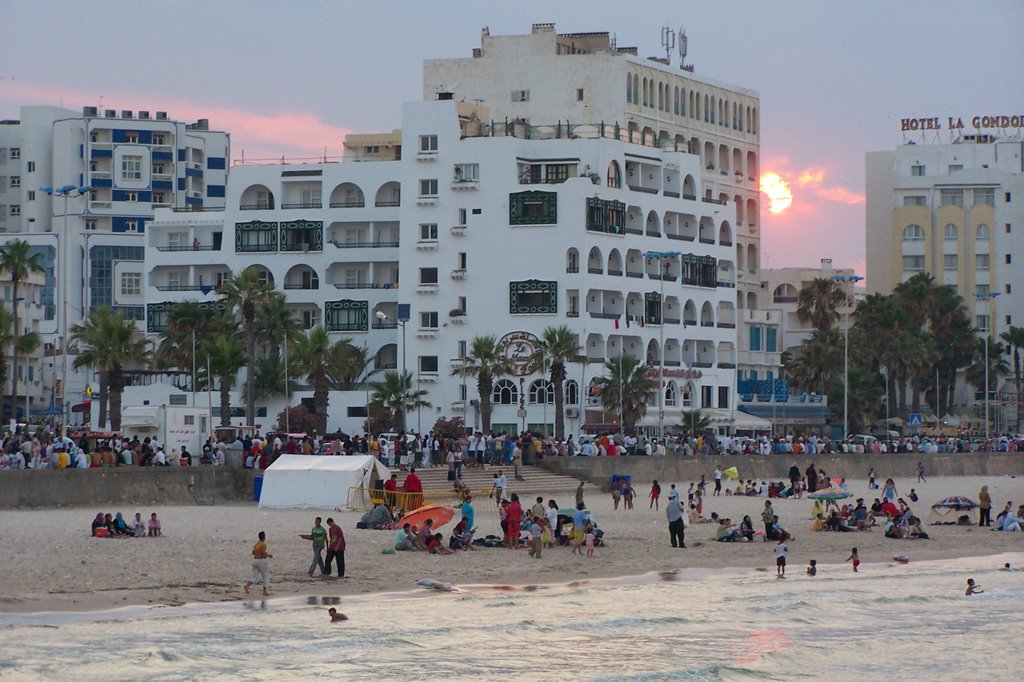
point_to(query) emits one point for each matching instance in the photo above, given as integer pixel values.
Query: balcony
(187, 247)
(385, 324)
(262, 206)
(635, 275)
(182, 287)
(633, 230)
(426, 245)
(690, 197)
(364, 285)
(615, 273)
(725, 242)
(595, 271)
(387, 204)
(303, 287)
(707, 240)
(605, 316)
(348, 203)
(572, 269)
(645, 190)
(707, 323)
(701, 364)
(366, 245)
(671, 320)
(726, 325)
(680, 237)
(458, 230)
(303, 205)
(427, 332)
(669, 193)
(727, 365)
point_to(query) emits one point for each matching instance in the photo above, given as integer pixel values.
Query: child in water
(812, 568)
(335, 616)
(854, 558)
(973, 588)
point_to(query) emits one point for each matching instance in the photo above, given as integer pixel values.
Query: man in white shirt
(81, 461)
(587, 450)
(160, 459)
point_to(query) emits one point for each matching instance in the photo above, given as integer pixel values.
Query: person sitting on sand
(121, 528)
(973, 588)
(891, 530)
(153, 528)
(404, 541)
(819, 524)
(335, 616)
(462, 535)
(725, 532)
(747, 528)
(916, 531)
(436, 545)
(876, 507)
(778, 532)
(138, 526)
(98, 522)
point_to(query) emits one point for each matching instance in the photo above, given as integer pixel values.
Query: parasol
(955, 503)
(833, 494)
(440, 515)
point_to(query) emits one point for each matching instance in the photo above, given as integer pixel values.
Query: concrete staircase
(479, 480)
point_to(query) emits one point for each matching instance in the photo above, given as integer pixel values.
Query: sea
(889, 621)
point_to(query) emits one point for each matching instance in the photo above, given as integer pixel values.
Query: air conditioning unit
(127, 113)
(144, 115)
(572, 413)
(161, 115)
(90, 111)
(110, 113)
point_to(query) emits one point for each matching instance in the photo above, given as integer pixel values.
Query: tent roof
(325, 463)
(317, 481)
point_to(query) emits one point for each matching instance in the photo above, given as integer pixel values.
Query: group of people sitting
(728, 532)
(1009, 521)
(114, 526)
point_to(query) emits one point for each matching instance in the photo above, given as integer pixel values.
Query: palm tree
(693, 421)
(997, 365)
(625, 389)
(26, 343)
(818, 303)
(186, 325)
(325, 365)
(275, 323)
(560, 345)
(1014, 338)
(112, 343)
(245, 293)
(225, 357)
(396, 394)
(19, 262)
(486, 362)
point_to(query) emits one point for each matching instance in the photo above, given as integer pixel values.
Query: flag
(616, 323)
(731, 473)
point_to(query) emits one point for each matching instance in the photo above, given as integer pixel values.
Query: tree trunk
(559, 411)
(485, 407)
(320, 399)
(14, 372)
(116, 385)
(250, 374)
(225, 403)
(103, 396)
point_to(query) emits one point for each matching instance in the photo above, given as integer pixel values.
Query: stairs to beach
(480, 479)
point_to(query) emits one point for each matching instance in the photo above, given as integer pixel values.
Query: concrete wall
(124, 485)
(776, 467)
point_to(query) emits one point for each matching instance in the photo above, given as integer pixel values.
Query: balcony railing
(303, 204)
(348, 203)
(387, 204)
(702, 365)
(707, 240)
(181, 287)
(669, 193)
(256, 207)
(595, 271)
(725, 242)
(707, 323)
(606, 316)
(633, 230)
(385, 324)
(726, 325)
(300, 286)
(572, 269)
(637, 275)
(366, 245)
(361, 285)
(680, 237)
(187, 247)
(573, 313)
(615, 273)
(645, 190)
(690, 197)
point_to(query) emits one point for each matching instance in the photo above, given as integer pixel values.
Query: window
(462, 260)
(346, 316)
(462, 216)
(542, 392)
(15, 181)
(951, 197)
(579, 94)
(755, 338)
(31, 195)
(533, 297)
(917, 170)
(372, 149)
(723, 397)
(15, 152)
(462, 305)
(428, 320)
(980, 261)
(913, 263)
(605, 216)
(131, 196)
(131, 138)
(520, 95)
(913, 233)
(175, 279)
(15, 210)
(428, 187)
(771, 341)
(950, 233)
(31, 166)
(505, 393)
(131, 167)
(914, 200)
(1006, 196)
(159, 198)
(428, 232)
(1009, 228)
(90, 224)
(190, 419)
(1009, 289)
(131, 226)
(158, 138)
(533, 208)
(985, 196)
(467, 172)
(955, 167)
(1009, 258)
(131, 283)
(981, 322)
(949, 262)
(159, 169)
(555, 173)
(428, 143)
(614, 175)
(1009, 320)
(428, 275)
(428, 364)
(982, 233)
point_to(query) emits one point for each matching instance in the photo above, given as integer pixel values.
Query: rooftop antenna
(668, 41)
(614, 43)
(682, 50)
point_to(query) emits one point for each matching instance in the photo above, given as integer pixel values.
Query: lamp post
(988, 297)
(849, 280)
(65, 191)
(661, 256)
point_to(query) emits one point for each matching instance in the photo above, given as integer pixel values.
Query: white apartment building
(475, 231)
(35, 372)
(553, 82)
(132, 162)
(953, 211)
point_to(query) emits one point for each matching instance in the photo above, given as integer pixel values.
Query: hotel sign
(523, 351)
(957, 123)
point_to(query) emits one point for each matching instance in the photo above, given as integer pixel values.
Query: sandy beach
(52, 564)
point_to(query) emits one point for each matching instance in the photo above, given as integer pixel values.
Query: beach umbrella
(440, 515)
(731, 473)
(956, 502)
(833, 494)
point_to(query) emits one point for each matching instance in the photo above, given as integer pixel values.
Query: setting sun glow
(778, 192)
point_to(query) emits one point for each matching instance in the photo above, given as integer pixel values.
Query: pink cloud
(256, 134)
(840, 194)
(809, 177)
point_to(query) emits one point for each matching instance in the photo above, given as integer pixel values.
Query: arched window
(705, 108)
(614, 175)
(950, 233)
(913, 233)
(982, 233)
(675, 100)
(636, 89)
(670, 394)
(505, 393)
(682, 101)
(713, 105)
(629, 88)
(645, 92)
(571, 392)
(542, 392)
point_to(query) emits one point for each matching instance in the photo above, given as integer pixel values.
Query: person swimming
(973, 588)
(335, 616)
(812, 568)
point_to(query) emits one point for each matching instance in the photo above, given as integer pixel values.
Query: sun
(778, 192)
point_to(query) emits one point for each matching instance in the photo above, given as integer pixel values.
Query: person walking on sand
(319, 537)
(780, 558)
(260, 570)
(920, 473)
(655, 494)
(676, 525)
(984, 507)
(854, 558)
(768, 516)
(335, 548)
(718, 481)
(498, 489)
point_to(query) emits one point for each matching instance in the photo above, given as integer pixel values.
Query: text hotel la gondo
(957, 123)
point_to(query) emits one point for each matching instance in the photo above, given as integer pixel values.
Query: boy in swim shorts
(854, 558)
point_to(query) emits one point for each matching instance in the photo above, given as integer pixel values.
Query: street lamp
(65, 191)
(661, 256)
(846, 279)
(988, 297)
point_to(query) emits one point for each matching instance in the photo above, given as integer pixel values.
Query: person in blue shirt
(467, 510)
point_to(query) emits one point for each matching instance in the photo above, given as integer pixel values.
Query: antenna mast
(668, 41)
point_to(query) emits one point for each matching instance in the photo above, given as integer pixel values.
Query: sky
(291, 78)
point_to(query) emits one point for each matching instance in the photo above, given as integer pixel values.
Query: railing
(672, 363)
(689, 197)
(348, 203)
(707, 323)
(255, 207)
(356, 285)
(680, 237)
(707, 240)
(309, 287)
(595, 271)
(784, 299)
(669, 193)
(653, 233)
(181, 287)
(615, 273)
(727, 365)
(725, 242)
(303, 204)
(572, 269)
(633, 230)
(365, 245)
(709, 200)
(645, 190)
(701, 364)
(387, 204)
(726, 285)
(671, 320)
(637, 275)
(384, 324)
(188, 247)
(606, 316)
(726, 325)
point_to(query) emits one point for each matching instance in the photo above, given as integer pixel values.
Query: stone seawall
(200, 485)
(676, 469)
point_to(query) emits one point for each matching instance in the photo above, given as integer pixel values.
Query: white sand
(51, 562)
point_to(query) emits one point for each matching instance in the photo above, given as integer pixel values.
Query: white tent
(318, 481)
